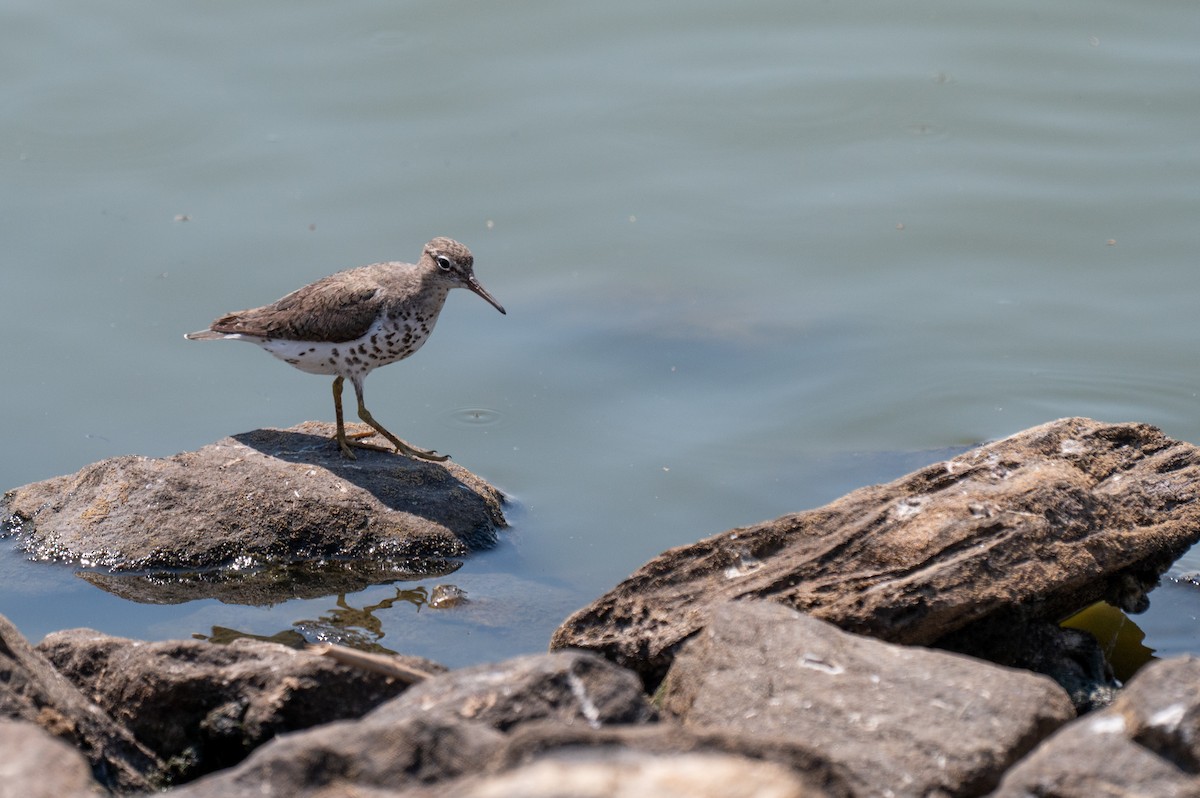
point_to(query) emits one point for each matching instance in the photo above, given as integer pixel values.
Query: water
(754, 256)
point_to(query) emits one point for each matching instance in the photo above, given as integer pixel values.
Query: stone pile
(902, 640)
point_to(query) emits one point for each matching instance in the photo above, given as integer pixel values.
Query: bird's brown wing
(335, 309)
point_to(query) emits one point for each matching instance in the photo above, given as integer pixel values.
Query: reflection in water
(269, 585)
(223, 635)
(1119, 637)
(355, 627)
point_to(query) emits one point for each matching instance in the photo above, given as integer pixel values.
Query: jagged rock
(38, 765)
(571, 687)
(1047, 522)
(1146, 743)
(446, 727)
(902, 720)
(32, 690)
(203, 707)
(255, 499)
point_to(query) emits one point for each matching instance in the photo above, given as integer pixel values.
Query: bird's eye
(443, 263)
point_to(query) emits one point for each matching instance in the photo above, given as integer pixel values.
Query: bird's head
(454, 264)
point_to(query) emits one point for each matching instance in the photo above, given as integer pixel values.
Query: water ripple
(473, 417)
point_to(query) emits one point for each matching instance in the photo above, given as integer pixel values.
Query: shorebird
(357, 320)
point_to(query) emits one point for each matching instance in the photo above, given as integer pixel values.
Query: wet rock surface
(1032, 527)
(262, 497)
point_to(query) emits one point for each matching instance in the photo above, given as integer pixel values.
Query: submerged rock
(1033, 527)
(260, 498)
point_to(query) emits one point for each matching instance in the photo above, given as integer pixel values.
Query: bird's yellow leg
(345, 441)
(401, 446)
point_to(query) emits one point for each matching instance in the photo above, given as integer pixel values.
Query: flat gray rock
(1146, 743)
(900, 720)
(253, 500)
(1041, 524)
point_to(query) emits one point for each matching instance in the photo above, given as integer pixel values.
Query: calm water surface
(754, 255)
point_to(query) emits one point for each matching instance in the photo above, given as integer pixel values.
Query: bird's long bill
(474, 285)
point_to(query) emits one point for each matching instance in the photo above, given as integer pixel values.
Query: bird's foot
(432, 456)
(348, 442)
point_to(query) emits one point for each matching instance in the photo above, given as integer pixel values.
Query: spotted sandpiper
(357, 320)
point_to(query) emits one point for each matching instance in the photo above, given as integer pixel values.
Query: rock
(354, 758)
(902, 720)
(1071, 657)
(448, 726)
(203, 707)
(32, 690)
(534, 741)
(1146, 743)
(1048, 521)
(445, 597)
(37, 765)
(256, 499)
(569, 688)
(622, 773)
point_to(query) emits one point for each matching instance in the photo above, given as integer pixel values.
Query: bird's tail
(204, 335)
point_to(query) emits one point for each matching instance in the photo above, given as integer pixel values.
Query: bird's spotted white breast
(387, 340)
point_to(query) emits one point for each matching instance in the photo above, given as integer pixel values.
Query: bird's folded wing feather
(327, 310)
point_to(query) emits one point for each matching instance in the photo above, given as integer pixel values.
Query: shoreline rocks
(1034, 527)
(764, 690)
(839, 652)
